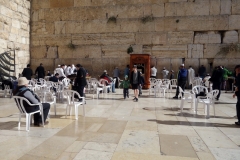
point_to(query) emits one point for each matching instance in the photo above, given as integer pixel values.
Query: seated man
(25, 92)
(109, 80)
(54, 78)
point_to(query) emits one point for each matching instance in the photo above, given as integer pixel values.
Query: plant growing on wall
(112, 19)
(130, 49)
(148, 18)
(71, 46)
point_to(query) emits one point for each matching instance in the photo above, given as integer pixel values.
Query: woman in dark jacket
(25, 92)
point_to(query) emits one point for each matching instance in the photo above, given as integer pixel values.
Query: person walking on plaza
(171, 75)
(153, 72)
(217, 79)
(191, 75)
(202, 71)
(80, 80)
(135, 82)
(237, 93)
(165, 73)
(116, 74)
(182, 79)
(125, 85)
(226, 73)
(126, 71)
(23, 91)
(27, 72)
(40, 72)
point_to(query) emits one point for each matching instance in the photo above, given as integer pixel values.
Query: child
(125, 84)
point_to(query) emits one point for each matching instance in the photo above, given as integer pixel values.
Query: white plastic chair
(188, 96)
(197, 81)
(66, 83)
(97, 87)
(208, 100)
(152, 84)
(165, 87)
(19, 100)
(71, 102)
(105, 87)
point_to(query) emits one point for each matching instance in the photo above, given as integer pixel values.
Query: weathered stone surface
(38, 52)
(234, 22)
(114, 51)
(235, 7)
(174, 65)
(87, 52)
(200, 7)
(159, 38)
(215, 7)
(230, 37)
(61, 3)
(162, 62)
(36, 4)
(176, 51)
(52, 52)
(3, 43)
(207, 37)
(144, 38)
(180, 37)
(158, 10)
(211, 50)
(226, 7)
(195, 51)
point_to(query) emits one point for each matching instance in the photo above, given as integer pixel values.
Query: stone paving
(118, 129)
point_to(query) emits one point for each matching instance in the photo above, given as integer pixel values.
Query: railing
(7, 65)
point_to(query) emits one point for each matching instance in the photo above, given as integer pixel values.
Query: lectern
(143, 65)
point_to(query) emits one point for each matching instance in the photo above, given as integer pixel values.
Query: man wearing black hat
(80, 80)
(27, 72)
(40, 71)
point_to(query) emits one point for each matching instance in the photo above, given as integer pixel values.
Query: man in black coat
(135, 81)
(27, 72)
(217, 79)
(40, 71)
(80, 80)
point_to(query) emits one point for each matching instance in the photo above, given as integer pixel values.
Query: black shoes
(175, 97)
(237, 123)
(134, 98)
(40, 124)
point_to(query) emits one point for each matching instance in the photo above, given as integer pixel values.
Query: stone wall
(172, 32)
(14, 30)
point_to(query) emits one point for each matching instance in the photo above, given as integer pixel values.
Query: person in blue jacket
(182, 79)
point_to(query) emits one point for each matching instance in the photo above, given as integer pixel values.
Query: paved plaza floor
(118, 129)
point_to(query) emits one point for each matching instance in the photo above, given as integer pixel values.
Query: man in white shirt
(68, 70)
(153, 72)
(191, 75)
(72, 69)
(165, 73)
(60, 71)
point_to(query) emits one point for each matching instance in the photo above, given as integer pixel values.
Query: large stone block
(6, 11)
(230, 37)
(38, 52)
(207, 37)
(170, 9)
(87, 52)
(86, 39)
(36, 4)
(65, 52)
(176, 51)
(52, 52)
(195, 51)
(117, 38)
(215, 7)
(226, 6)
(174, 65)
(60, 27)
(211, 50)
(158, 10)
(234, 22)
(114, 51)
(159, 38)
(61, 3)
(52, 15)
(144, 38)
(3, 43)
(235, 7)
(180, 37)
(128, 25)
(55, 40)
